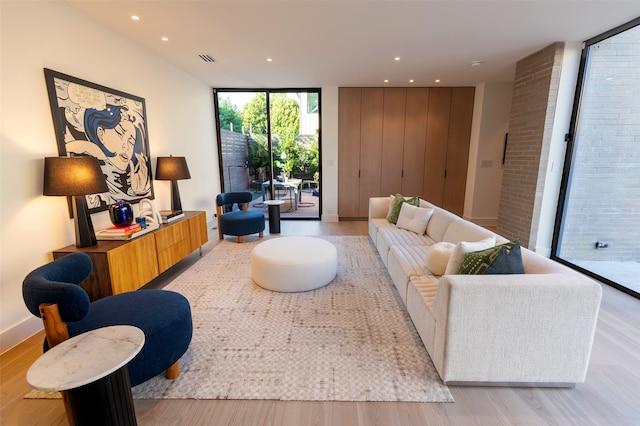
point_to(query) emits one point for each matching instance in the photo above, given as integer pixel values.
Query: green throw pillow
(477, 262)
(396, 205)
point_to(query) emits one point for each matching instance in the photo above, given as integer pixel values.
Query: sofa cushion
(439, 223)
(477, 262)
(464, 247)
(396, 204)
(403, 263)
(438, 256)
(375, 224)
(463, 230)
(421, 293)
(413, 218)
(393, 236)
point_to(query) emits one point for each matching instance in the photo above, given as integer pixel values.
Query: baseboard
(330, 218)
(19, 333)
(482, 221)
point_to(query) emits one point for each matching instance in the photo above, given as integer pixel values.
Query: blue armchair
(238, 222)
(52, 293)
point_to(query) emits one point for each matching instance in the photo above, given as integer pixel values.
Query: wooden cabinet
(120, 266)
(414, 141)
(349, 102)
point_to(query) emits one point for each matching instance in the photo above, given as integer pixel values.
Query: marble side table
(91, 372)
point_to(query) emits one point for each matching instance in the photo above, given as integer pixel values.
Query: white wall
(561, 121)
(329, 184)
(37, 35)
(492, 106)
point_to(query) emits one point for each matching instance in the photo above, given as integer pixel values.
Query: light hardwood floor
(608, 397)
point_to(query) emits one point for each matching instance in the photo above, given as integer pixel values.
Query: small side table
(274, 215)
(91, 372)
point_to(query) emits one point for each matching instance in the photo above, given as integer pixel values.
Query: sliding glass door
(269, 144)
(598, 223)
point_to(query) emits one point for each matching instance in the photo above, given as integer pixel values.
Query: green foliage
(285, 115)
(254, 115)
(258, 155)
(229, 114)
(290, 154)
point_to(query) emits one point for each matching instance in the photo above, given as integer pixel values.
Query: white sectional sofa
(531, 329)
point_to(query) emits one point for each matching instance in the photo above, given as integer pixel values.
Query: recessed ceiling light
(397, 58)
(269, 60)
(386, 80)
(135, 18)
(437, 80)
(411, 81)
(165, 39)
(477, 63)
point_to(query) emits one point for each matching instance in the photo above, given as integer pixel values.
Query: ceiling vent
(206, 58)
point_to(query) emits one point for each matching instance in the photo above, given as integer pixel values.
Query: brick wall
(535, 91)
(604, 201)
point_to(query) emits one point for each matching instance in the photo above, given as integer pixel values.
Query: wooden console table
(120, 266)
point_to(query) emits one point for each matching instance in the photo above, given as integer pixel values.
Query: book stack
(123, 233)
(169, 216)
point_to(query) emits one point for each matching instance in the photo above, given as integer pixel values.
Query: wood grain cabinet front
(120, 266)
(172, 244)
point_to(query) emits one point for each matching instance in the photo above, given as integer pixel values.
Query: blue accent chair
(240, 221)
(52, 293)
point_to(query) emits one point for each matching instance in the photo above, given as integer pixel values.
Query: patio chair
(238, 222)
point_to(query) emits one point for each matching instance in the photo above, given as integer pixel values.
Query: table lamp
(173, 169)
(76, 177)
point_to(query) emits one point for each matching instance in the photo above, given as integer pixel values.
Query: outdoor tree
(230, 118)
(285, 115)
(254, 115)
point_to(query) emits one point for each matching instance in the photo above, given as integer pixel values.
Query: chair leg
(173, 371)
(239, 239)
(220, 236)
(261, 234)
(54, 328)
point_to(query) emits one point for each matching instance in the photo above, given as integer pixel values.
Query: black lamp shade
(172, 168)
(77, 177)
(73, 176)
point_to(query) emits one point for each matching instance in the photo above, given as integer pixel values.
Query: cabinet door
(393, 128)
(436, 145)
(370, 146)
(349, 151)
(133, 265)
(198, 231)
(458, 149)
(415, 136)
(173, 244)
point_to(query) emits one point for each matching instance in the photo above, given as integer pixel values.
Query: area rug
(351, 340)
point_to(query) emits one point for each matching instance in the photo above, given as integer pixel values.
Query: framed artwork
(110, 125)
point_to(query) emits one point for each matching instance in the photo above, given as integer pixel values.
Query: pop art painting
(110, 125)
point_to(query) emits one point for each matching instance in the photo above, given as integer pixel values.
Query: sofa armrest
(525, 328)
(378, 207)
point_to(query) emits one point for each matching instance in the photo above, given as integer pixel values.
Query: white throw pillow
(438, 256)
(463, 248)
(414, 218)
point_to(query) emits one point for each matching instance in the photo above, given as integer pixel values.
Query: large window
(269, 144)
(598, 223)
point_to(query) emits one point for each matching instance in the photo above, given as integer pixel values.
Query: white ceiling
(353, 43)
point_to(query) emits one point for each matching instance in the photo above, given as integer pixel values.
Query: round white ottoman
(292, 264)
